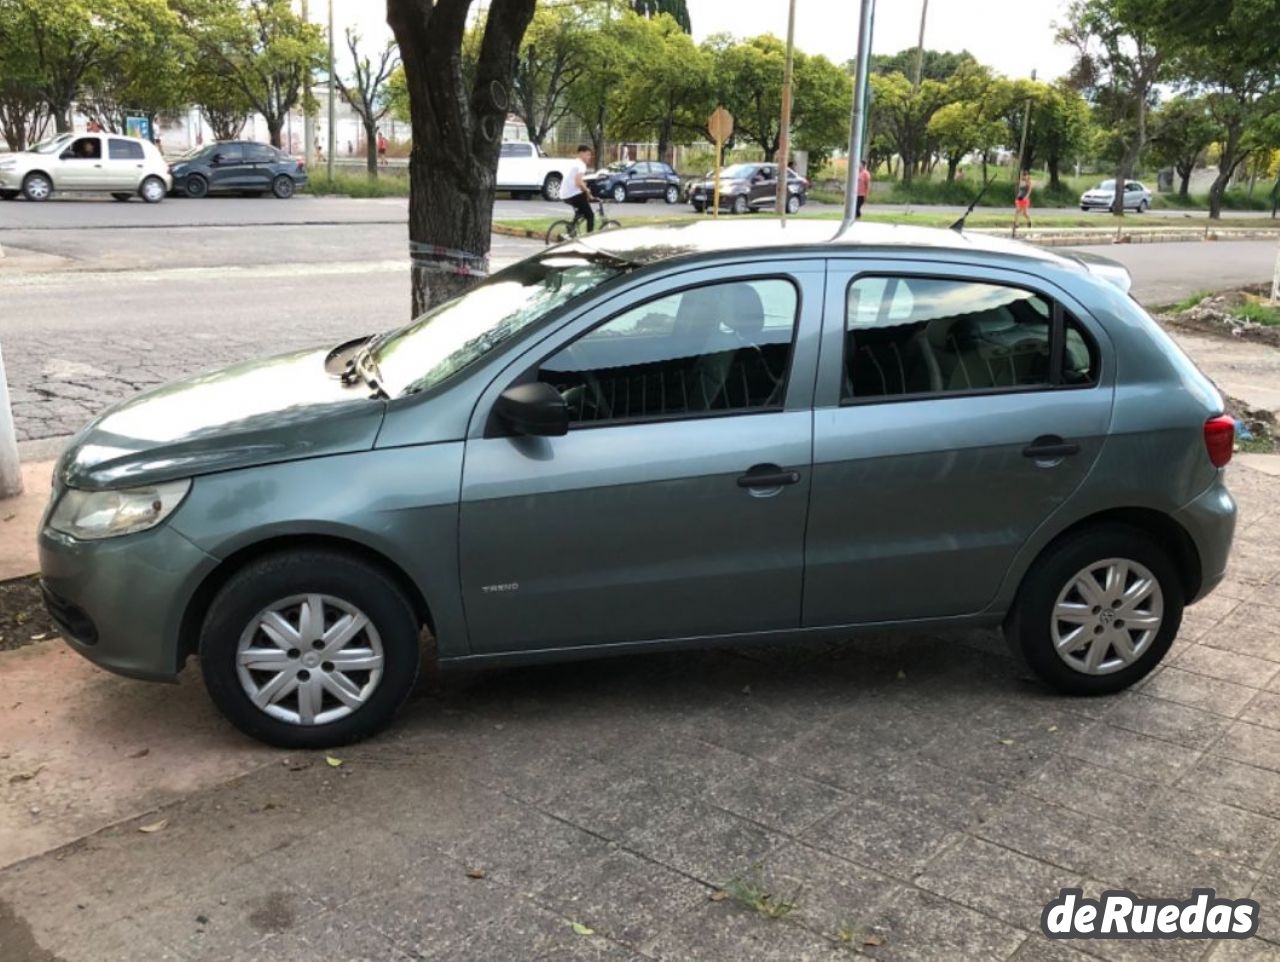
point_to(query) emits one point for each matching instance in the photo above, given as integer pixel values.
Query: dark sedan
(748, 187)
(636, 180)
(237, 166)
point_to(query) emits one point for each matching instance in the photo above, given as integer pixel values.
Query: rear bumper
(1210, 520)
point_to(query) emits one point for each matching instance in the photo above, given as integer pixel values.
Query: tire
(196, 187)
(551, 187)
(9, 194)
(740, 205)
(608, 225)
(698, 208)
(152, 190)
(561, 230)
(1032, 623)
(793, 203)
(619, 194)
(1143, 206)
(37, 186)
(122, 197)
(672, 195)
(287, 581)
(283, 187)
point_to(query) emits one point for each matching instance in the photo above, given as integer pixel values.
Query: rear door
(958, 407)
(260, 166)
(125, 162)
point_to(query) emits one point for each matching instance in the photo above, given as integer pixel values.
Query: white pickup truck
(524, 170)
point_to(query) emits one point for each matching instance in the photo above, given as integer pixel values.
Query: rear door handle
(1049, 447)
(768, 476)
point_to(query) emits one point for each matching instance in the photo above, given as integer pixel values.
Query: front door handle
(1050, 447)
(768, 476)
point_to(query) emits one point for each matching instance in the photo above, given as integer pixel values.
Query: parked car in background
(1136, 196)
(124, 167)
(525, 171)
(748, 187)
(710, 434)
(238, 166)
(636, 180)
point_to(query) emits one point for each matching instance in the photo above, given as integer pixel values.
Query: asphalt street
(99, 299)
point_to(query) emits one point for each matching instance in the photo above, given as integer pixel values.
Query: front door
(764, 187)
(81, 165)
(956, 411)
(227, 169)
(675, 506)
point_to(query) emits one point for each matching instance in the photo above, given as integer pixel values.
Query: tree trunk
(1226, 170)
(952, 163)
(274, 127)
(457, 137)
(61, 121)
(1055, 173)
(371, 149)
(1184, 188)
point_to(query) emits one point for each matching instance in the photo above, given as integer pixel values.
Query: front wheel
(740, 205)
(608, 224)
(1143, 206)
(152, 190)
(551, 187)
(672, 195)
(619, 194)
(793, 204)
(1098, 611)
(196, 187)
(37, 187)
(561, 230)
(309, 649)
(282, 187)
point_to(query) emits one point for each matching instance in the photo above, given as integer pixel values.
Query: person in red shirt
(382, 147)
(864, 188)
(1022, 200)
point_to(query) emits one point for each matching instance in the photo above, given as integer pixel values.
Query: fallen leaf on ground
(154, 826)
(581, 929)
(140, 753)
(1006, 741)
(476, 873)
(1053, 728)
(332, 762)
(40, 637)
(718, 896)
(26, 776)
(873, 939)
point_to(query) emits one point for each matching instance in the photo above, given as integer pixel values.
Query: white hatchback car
(125, 167)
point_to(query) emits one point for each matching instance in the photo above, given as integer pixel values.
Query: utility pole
(10, 470)
(1022, 152)
(865, 15)
(332, 105)
(919, 65)
(308, 116)
(784, 139)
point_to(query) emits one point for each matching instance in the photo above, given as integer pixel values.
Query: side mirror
(217, 158)
(535, 409)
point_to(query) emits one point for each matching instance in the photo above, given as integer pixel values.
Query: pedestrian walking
(864, 188)
(1022, 201)
(382, 148)
(573, 188)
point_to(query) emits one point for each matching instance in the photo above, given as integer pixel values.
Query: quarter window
(124, 149)
(706, 350)
(920, 336)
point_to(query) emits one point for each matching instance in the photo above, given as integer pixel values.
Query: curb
(520, 232)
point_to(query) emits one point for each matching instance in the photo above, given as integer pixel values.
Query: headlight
(91, 515)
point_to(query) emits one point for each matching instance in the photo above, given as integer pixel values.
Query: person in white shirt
(573, 188)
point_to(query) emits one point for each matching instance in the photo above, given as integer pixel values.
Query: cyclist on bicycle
(573, 188)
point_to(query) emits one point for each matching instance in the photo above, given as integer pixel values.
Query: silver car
(124, 167)
(1136, 197)
(658, 438)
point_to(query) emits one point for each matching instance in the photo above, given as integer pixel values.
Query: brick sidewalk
(908, 798)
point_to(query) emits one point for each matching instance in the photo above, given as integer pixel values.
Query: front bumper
(1211, 521)
(10, 180)
(120, 601)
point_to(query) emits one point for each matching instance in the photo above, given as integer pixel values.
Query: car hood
(280, 408)
(1099, 193)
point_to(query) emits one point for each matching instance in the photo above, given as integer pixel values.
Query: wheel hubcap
(151, 190)
(309, 659)
(39, 187)
(1107, 616)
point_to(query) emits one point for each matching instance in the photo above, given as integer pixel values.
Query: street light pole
(1022, 152)
(308, 116)
(859, 108)
(784, 139)
(919, 64)
(332, 105)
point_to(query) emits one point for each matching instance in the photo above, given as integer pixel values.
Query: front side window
(920, 336)
(707, 350)
(124, 149)
(85, 148)
(229, 154)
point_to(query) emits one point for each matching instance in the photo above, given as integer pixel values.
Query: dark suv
(748, 187)
(636, 180)
(242, 166)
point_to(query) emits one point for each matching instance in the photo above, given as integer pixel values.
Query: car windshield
(618, 166)
(458, 333)
(195, 151)
(738, 172)
(1106, 185)
(52, 145)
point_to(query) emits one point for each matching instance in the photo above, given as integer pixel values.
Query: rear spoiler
(1113, 272)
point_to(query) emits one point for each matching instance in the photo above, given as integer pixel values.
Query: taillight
(1220, 439)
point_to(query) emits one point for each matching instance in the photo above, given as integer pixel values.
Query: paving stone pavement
(909, 797)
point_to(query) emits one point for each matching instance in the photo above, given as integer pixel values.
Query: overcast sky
(1013, 36)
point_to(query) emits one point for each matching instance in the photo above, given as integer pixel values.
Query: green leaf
(581, 929)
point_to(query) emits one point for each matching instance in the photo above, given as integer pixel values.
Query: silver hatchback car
(703, 435)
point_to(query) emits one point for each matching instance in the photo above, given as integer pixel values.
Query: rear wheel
(309, 649)
(551, 187)
(561, 230)
(1099, 611)
(37, 186)
(282, 187)
(152, 190)
(698, 208)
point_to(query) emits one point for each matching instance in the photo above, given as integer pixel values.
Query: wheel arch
(42, 172)
(1171, 535)
(200, 600)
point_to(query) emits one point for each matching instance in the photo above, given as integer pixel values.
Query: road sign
(720, 125)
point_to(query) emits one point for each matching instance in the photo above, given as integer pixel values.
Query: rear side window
(911, 336)
(517, 150)
(124, 149)
(260, 154)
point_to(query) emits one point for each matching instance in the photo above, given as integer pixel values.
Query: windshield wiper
(363, 367)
